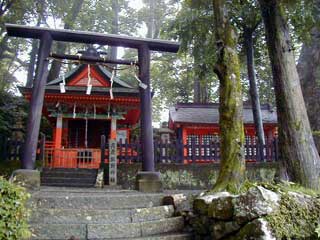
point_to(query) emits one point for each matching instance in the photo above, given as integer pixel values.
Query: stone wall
(191, 176)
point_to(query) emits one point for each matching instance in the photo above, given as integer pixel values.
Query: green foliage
(13, 112)
(193, 26)
(7, 167)
(13, 213)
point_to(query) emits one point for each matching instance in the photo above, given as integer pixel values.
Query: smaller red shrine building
(85, 104)
(199, 123)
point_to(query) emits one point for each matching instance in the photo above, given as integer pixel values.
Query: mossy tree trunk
(297, 148)
(227, 68)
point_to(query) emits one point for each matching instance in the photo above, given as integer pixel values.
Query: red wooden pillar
(58, 133)
(36, 104)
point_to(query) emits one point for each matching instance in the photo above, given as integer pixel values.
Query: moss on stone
(295, 219)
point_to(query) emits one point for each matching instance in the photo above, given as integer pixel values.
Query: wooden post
(180, 145)
(147, 147)
(103, 150)
(36, 104)
(42, 149)
(113, 132)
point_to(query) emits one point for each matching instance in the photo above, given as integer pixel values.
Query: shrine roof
(209, 114)
(106, 74)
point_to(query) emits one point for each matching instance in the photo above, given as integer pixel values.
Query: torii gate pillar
(148, 180)
(36, 104)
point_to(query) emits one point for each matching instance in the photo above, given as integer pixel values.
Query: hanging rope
(89, 85)
(63, 84)
(86, 129)
(109, 110)
(141, 84)
(111, 80)
(94, 111)
(74, 111)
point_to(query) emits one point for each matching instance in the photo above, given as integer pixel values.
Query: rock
(255, 203)
(30, 179)
(202, 203)
(221, 208)
(100, 179)
(222, 229)
(258, 229)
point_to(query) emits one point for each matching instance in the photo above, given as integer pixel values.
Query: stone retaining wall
(190, 176)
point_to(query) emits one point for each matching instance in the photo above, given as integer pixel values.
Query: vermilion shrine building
(79, 115)
(201, 121)
(198, 125)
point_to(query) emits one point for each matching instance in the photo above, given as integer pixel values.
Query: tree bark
(296, 145)
(115, 27)
(196, 90)
(254, 94)
(151, 20)
(61, 47)
(232, 167)
(309, 72)
(33, 54)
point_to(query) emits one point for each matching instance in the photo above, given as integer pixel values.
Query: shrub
(13, 213)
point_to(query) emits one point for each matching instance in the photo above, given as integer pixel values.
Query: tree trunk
(254, 94)
(297, 149)
(232, 167)
(309, 73)
(114, 30)
(151, 20)
(196, 90)
(33, 55)
(61, 46)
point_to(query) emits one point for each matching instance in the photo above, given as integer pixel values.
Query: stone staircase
(68, 177)
(88, 213)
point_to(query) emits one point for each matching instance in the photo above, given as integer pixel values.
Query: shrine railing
(164, 152)
(177, 152)
(71, 158)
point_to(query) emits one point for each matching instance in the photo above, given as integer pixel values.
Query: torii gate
(144, 46)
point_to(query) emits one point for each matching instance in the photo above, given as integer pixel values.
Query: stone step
(89, 216)
(85, 200)
(170, 236)
(68, 180)
(107, 231)
(69, 170)
(72, 184)
(68, 174)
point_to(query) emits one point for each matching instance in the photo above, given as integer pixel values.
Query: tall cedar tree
(298, 152)
(227, 68)
(309, 73)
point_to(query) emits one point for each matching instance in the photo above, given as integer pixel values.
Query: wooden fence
(164, 152)
(177, 152)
